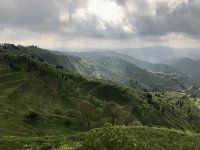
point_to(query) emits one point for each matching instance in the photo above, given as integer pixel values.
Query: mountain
(162, 72)
(153, 67)
(44, 55)
(107, 65)
(189, 67)
(39, 99)
(121, 71)
(160, 53)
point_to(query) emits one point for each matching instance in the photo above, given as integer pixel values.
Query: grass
(147, 138)
(28, 85)
(138, 138)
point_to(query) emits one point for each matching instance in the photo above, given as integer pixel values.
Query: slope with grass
(28, 84)
(121, 71)
(187, 66)
(110, 138)
(111, 66)
(145, 138)
(162, 70)
(38, 100)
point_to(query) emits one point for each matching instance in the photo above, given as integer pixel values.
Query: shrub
(149, 98)
(136, 123)
(110, 138)
(58, 111)
(32, 116)
(67, 147)
(67, 122)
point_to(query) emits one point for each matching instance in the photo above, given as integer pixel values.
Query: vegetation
(123, 138)
(108, 67)
(134, 137)
(44, 105)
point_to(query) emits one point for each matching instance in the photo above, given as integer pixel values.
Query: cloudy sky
(100, 23)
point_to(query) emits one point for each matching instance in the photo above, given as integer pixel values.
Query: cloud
(127, 21)
(182, 17)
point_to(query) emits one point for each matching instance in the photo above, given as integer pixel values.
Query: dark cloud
(44, 16)
(184, 18)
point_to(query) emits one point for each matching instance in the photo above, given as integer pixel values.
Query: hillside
(145, 138)
(44, 55)
(119, 137)
(121, 71)
(29, 83)
(187, 66)
(152, 67)
(163, 72)
(39, 99)
(110, 66)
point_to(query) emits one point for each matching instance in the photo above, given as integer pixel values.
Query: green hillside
(110, 138)
(109, 66)
(150, 75)
(187, 66)
(38, 100)
(44, 55)
(126, 138)
(121, 71)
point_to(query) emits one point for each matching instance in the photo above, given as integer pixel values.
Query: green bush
(58, 111)
(136, 123)
(66, 147)
(110, 138)
(32, 116)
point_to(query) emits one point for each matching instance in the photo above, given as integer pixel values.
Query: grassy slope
(121, 71)
(145, 138)
(165, 139)
(149, 138)
(40, 88)
(108, 68)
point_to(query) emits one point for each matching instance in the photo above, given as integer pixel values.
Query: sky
(80, 24)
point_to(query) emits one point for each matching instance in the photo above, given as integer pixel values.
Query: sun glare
(106, 10)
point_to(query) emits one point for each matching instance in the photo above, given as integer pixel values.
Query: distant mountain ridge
(154, 67)
(188, 66)
(160, 69)
(112, 66)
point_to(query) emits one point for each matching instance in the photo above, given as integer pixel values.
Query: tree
(126, 115)
(63, 76)
(32, 116)
(163, 108)
(149, 98)
(112, 110)
(87, 112)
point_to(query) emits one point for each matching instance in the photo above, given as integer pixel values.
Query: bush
(32, 116)
(67, 122)
(58, 111)
(110, 138)
(149, 98)
(67, 147)
(136, 123)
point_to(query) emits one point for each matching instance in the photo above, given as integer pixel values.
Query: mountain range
(45, 93)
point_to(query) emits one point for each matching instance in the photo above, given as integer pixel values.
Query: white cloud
(106, 10)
